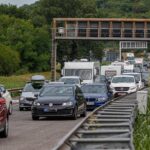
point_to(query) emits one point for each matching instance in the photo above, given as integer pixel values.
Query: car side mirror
(143, 80)
(36, 95)
(4, 91)
(82, 82)
(110, 93)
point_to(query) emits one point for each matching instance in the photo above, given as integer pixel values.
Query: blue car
(96, 94)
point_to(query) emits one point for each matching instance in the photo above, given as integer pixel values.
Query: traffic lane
(32, 135)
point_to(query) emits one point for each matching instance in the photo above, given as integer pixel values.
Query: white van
(87, 71)
(128, 68)
(110, 71)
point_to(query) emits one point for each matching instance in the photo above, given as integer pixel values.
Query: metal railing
(107, 127)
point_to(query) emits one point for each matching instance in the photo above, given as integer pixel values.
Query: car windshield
(137, 76)
(33, 87)
(99, 89)
(57, 91)
(84, 74)
(70, 80)
(122, 80)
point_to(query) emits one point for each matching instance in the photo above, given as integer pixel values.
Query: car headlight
(50, 104)
(101, 99)
(132, 88)
(67, 104)
(36, 104)
(22, 98)
(112, 88)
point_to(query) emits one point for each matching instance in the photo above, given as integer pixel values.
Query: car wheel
(84, 113)
(4, 133)
(35, 117)
(75, 113)
(10, 109)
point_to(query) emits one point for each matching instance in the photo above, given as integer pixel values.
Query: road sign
(133, 44)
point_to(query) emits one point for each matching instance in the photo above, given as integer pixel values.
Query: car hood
(122, 84)
(54, 99)
(91, 95)
(29, 94)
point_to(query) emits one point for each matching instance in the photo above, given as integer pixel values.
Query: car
(71, 80)
(4, 118)
(123, 84)
(96, 94)
(6, 94)
(63, 100)
(31, 91)
(145, 78)
(138, 78)
(101, 79)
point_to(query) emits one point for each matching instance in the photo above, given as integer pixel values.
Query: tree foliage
(26, 31)
(9, 60)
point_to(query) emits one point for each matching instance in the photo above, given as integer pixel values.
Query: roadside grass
(17, 81)
(142, 130)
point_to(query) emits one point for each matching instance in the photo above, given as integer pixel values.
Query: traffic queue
(83, 86)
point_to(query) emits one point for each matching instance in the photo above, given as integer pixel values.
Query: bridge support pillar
(53, 58)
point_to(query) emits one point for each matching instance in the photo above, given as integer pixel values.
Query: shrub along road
(25, 134)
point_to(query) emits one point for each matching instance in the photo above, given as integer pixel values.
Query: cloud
(17, 2)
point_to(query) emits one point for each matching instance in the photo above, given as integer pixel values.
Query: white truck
(87, 71)
(128, 68)
(110, 71)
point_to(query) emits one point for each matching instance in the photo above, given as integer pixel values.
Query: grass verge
(142, 130)
(20, 80)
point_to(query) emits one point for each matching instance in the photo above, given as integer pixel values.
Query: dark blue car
(96, 94)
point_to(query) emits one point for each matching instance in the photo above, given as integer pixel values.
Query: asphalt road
(25, 134)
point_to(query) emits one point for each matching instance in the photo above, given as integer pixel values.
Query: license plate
(121, 94)
(49, 110)
(90, 103)
(46, 110)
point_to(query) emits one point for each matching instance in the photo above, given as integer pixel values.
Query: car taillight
(2, 101)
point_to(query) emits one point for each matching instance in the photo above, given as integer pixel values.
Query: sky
(17, 2)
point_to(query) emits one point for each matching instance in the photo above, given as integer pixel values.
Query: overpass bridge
(109, 29)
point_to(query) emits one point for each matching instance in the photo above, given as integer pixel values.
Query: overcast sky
(17, 2)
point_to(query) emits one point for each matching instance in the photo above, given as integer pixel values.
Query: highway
(25, 134)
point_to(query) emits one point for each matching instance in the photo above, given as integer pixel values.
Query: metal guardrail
(107, 127)
(14, 90)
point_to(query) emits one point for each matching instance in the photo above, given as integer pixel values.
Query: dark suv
(3, 118)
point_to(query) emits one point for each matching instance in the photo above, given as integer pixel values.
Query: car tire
(10, 109)
(4, 133)
(75, 113)
(35, 117)
(84, 113)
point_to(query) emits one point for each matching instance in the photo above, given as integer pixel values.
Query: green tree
(9, 60)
